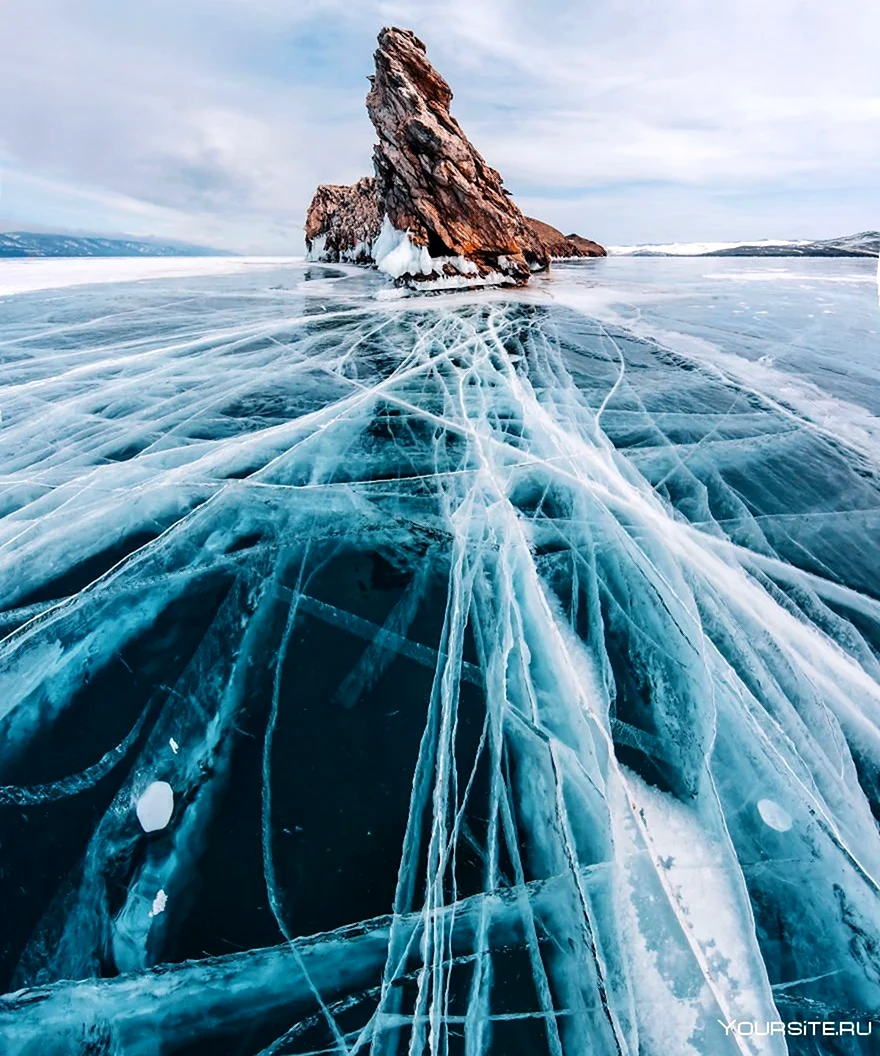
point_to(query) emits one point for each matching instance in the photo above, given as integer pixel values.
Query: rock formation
(558, 245)
(343, 222)
(432, 183)
(436, 214)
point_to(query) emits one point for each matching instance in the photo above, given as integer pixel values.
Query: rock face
(436, 214)
(343, 222)
(558, 245)
(431, 181)
(584, 247)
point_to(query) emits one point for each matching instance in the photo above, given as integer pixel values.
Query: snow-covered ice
(696, 249)
(494, 672)
(29, 274)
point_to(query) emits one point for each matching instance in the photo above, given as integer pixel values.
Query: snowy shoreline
(30, 274)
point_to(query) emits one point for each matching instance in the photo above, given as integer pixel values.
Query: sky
(629, 121)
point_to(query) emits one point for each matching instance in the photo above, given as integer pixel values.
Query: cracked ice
(486, 674)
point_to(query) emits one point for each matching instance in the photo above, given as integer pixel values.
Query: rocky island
(435, 215)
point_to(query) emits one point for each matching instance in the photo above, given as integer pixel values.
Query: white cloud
(215, 119)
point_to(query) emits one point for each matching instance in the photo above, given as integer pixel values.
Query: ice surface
(512, 657)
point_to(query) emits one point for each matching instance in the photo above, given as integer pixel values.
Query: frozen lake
(381, 670)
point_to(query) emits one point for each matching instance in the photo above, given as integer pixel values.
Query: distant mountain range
(33, 244)
(864, 244)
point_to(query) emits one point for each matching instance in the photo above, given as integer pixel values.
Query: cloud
(215, 119)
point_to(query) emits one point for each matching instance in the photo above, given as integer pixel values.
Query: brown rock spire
(436, 213)
(430, 179)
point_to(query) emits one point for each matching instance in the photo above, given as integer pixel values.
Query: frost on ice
(525, 668)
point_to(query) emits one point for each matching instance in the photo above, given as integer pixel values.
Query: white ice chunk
(159, 903)
(397, 255)
(317, 248)
(155, 806)
(175, 747)
(360, 253)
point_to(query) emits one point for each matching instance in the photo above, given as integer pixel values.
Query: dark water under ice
(512, 661)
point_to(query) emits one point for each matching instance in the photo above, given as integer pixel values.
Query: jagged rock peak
(432, 183)
(343, 222)
(436, 215)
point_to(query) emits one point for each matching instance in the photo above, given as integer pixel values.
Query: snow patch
(50, 273)
(702, 889)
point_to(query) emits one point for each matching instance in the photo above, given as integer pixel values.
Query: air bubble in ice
(155, 806)
(773, 815)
